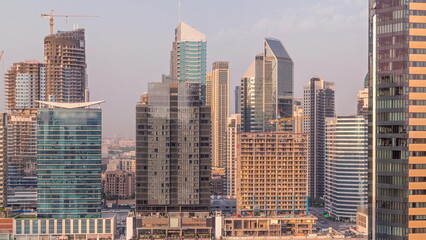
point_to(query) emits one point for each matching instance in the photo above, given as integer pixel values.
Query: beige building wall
(233, 127)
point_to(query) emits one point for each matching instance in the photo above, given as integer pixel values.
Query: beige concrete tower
(218, 96)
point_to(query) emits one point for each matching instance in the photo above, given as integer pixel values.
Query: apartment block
(272, 174)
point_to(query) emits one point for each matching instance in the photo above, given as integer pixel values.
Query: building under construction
(65, 60)
(272, 174)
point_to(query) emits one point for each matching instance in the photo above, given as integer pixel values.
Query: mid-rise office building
(272, 174)
(65, 67)
(298, 112)
(233, 128)
(69, 139)
(218, 96)
(173, 161)
(346, 177)
(22, 158)
(267, 89)
(318, 100)
(398, 119)
(3, 163)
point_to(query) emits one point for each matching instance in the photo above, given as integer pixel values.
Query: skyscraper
(188, 55)
(398, 119)
(173, 156)
(233, 127)
(24, 85)
(346, 176)
(272, 173)
(267, 88)
(69, 138)
(65, 63)
(218, 95)
(318, 100)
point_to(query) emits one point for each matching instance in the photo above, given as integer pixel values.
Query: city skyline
(107, 65)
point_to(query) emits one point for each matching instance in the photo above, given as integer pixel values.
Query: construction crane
(285, 120)
(52, 20)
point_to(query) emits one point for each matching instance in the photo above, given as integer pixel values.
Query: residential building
(3, 159)
(272, 174)
(173, 161)
(69, 139)
(362, 103)
(233, 128)
(267, 89)
(318, 100)
(24, 85)
(346, 170)
(398, 119)
(237, 100)
(119, 184)
(22, 158)
(65, 67)
(218, 96)
(188, 56)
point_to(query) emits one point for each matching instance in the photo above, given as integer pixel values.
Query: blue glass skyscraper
(69, 160)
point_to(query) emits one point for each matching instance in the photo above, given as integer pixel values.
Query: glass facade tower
(397, 90)
(69, 162)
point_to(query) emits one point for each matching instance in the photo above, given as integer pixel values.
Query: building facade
(173, 149)
(22, 158)
(398, 118)
(218, 95)
(69, 139)
(233, 128)
(362, 103)
(119, 184)
(237, 99)
(267, 89)
(24, 85)
(188, 55)
(318, 100)
(65, 67)
(346, 170)
(272, 174)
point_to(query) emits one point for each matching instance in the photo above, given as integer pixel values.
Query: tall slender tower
(397, 89)
(65, 62)
(267, 89)
(3, 163)
(318, 105)
(219, 96)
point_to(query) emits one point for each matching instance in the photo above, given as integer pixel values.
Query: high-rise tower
(65, 63)
(397, 89)
(218, 95)
(267, 89)
(318, 100)
(188, 55)
(69, 138)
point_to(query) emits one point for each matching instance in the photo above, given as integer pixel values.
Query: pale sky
(129, 44)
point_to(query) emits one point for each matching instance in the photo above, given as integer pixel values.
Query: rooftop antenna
(178, 11)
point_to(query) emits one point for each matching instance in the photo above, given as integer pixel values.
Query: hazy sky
(129, 44)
